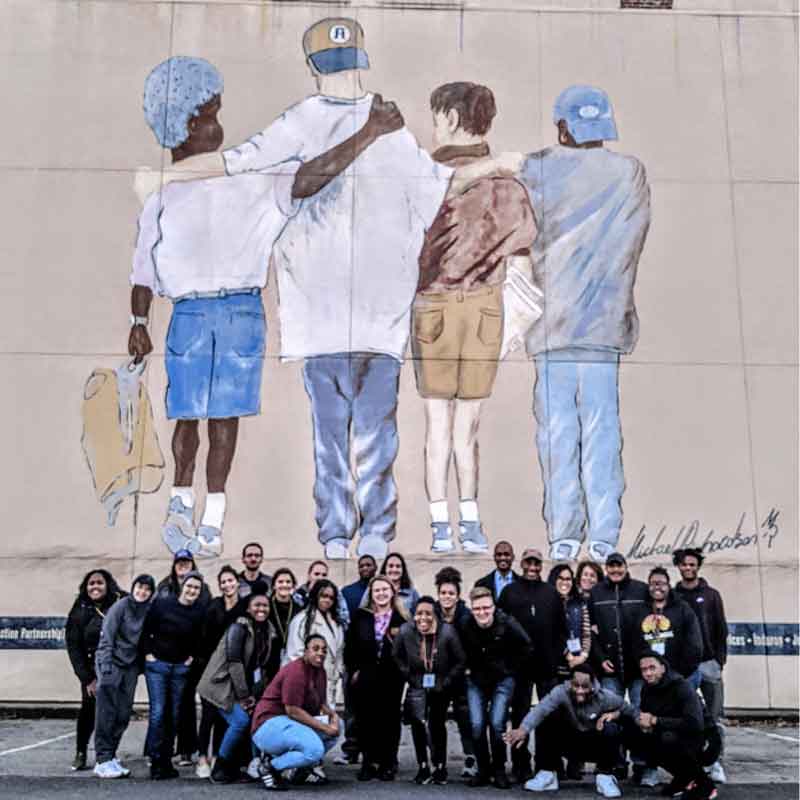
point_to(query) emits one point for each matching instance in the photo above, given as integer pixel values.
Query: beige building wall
(705, 96)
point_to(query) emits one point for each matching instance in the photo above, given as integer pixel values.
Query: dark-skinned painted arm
(139, 344)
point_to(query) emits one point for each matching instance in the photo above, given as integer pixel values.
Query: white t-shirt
(347, 261)
(207, 235)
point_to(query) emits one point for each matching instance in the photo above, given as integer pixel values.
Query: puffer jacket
(448, 664)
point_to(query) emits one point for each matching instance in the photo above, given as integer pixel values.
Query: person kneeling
(668, 731)
(576, 720)
(293, 727)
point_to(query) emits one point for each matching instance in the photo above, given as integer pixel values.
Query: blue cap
(587, 112)
(338, 59)
(183, 555)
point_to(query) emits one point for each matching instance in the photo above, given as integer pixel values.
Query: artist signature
(645, 546)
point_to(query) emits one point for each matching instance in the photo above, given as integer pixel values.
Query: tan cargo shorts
(455, 340)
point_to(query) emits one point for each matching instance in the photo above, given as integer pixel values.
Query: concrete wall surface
(705, 96)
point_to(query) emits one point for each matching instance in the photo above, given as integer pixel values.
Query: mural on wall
(376, 242)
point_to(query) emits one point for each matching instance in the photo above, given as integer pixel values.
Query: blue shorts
(215, 356)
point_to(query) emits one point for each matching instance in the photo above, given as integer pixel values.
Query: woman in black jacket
(431, 660)
(97, 592)
(376, 679)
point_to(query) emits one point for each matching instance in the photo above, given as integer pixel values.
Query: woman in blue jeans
(293, 726)
(243, 663)
(171, 639)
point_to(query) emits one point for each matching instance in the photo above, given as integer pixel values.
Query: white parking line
(792, 739)
(36, 744)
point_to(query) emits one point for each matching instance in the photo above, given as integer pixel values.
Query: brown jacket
(476, 230)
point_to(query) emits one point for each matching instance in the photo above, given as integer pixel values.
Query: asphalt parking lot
(761, 762)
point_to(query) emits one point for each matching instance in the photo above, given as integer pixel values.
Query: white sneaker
(599, 551)
(125, 771)
(210, 539)
(375, 546)
(108, 769)
(203, 770)
(717, 773)
(542, 781)
(470, 767)
(254, 768)
(607, 786)
(650, 778)
(565, 550)
(337, 550)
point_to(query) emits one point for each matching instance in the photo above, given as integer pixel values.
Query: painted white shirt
(207, 235)
(347, 261)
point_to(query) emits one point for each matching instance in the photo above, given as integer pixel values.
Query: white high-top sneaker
(607, 786)
(542, 781)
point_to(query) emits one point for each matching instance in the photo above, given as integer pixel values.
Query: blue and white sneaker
(472, 537)
(209, 539)
(565, 550)
(442, 538)
(599, 551)
(178, 529)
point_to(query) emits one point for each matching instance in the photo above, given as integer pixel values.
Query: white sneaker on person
(108, 769)
(254, 768)
(470, 767)
(542, 781)
(337, 550)
(125, 771)
(650, 778)
(607, 786)
(203, 770)
(565, 550)
(717, 773)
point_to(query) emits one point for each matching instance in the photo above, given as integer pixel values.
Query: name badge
(257, 675)
(659, 647)
(574, 645)
(428, 680)
(323, 718)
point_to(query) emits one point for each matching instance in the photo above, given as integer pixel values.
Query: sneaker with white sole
(337, 550)
(607, 786)
(108, 769)
(542, 781)
(254, 768)
(599, 551)
(650, 778)
(470, 769)
(122, 768)
(203, 770)
(210, 539)
(178, 529)
(372, 545)
(472, 537)
(565, 550)
(442, 538)
(717, 773)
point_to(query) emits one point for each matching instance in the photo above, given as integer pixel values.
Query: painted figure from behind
(592, 207)
(458, 310)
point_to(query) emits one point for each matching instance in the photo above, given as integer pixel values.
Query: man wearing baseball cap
(536, 605)
(592, 207)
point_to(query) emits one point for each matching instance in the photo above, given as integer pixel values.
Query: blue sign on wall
(744, 638)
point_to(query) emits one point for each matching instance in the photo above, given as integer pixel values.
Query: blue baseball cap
(587, 112)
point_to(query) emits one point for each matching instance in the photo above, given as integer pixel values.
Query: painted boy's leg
(327, 383)
(558, 442)
(178, 529)
(438, 454)
(601, 450)
(375, 385)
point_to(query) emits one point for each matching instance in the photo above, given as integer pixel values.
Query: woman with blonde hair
(375, 677)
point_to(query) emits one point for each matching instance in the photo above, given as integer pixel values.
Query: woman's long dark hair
(312, 608)
(574, 592)
(405, 578)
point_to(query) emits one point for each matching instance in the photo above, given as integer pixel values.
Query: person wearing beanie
(97, 593)
(117, 670)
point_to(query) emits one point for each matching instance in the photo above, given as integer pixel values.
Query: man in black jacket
(496, 649)
(536, 605)
(669, 627)
(707, 604)
(668, 729)
(503, 575)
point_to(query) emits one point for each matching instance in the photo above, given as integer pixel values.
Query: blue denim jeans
(615, 685)
(238, 724)
(489, 706)
(290, 744)
(165, 684)
(578, 436)
(354, 412)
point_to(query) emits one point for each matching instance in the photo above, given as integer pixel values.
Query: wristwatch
(138, 320)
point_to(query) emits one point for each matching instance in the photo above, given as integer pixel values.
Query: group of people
(272, 660)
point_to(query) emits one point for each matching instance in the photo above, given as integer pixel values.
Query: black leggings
(85, 721)
(434, 709)
(378, 716)
(211, 730)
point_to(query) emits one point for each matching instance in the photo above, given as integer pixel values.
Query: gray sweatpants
(115, 693)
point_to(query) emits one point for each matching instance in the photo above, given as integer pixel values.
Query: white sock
(186, 494)
(468, 509)
(215, 510)
(439, 511)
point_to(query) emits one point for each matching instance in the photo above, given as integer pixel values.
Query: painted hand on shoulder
(384, 117)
